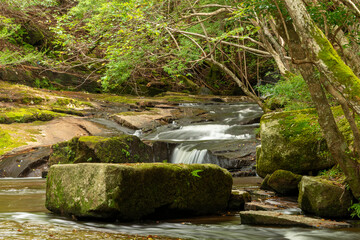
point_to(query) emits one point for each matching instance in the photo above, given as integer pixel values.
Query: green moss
(25, 115)
(7, 142)
(121, 149)
(284, 182)
(118, 99)
(69, 102)
(342, 73)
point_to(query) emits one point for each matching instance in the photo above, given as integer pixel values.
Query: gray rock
(25, 163)
(238, 199)
(136, 191)
(279, 219)
(324, 198)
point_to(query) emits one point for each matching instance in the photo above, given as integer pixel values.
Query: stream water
(24, 216)
(224, 123)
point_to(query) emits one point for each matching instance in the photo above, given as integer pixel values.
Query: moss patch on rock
(324, 198)
(136, 191)
(284, 182)
(121, 149)
(7, 142)
(25, 115)
(293, 141)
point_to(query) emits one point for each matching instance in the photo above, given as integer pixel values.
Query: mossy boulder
(284, 182)
(121, 149)
(324, 198)
(137, 191)
(292, 141)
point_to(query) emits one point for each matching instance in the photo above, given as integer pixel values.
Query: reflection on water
(24, 195)
(26, 218)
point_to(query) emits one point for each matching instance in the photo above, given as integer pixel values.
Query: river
(24, 216)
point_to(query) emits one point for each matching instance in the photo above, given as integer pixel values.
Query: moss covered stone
(121, 149)
(324, 198)
(136, 191)
(284, 182)
(25, 115)
(292, 141)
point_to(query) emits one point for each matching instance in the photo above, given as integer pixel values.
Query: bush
(291, 94)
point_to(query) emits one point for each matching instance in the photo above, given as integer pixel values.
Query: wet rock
(258, 206)
(292, 141)
(279, 219)
(264, 183)
(144, 120)
(121, 149)
(137, 191)
(238, 199)
(162, 150)
(284, 182)
(236, 155)
(29, 162)
(324, 198)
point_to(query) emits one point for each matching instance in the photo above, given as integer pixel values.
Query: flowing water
(23, 216)
(225, 122)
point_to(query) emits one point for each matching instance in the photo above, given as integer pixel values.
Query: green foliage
(195, 173)
(355, 210)
(9, 29)
(291, 93)
(24, 4)
(8, 57)
(334, 173)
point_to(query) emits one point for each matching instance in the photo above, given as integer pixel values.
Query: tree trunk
(330, 64)
(323, 54)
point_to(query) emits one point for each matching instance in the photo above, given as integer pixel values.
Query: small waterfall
(188, 155)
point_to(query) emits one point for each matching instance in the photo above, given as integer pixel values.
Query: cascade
(189, 155)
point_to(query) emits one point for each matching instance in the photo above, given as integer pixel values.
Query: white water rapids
(227, 124)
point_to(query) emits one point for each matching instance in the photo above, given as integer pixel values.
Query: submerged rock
(292, 141)
(324, 198)
(121, 149)
(284, 182)
(279, 219)
(136, 191)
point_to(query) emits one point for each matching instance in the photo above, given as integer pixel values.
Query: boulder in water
(121, 149)
(324, 198)
(284, 182)
(136, 191)
(292, 141)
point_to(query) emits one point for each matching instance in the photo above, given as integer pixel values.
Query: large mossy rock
(292, 141)
(324, 198)
(121, 149)
(136, 191)
(284, 182)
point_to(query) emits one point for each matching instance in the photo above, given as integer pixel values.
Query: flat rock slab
(141, 120)
(24, 163)
(279, 219)
(136, 191)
